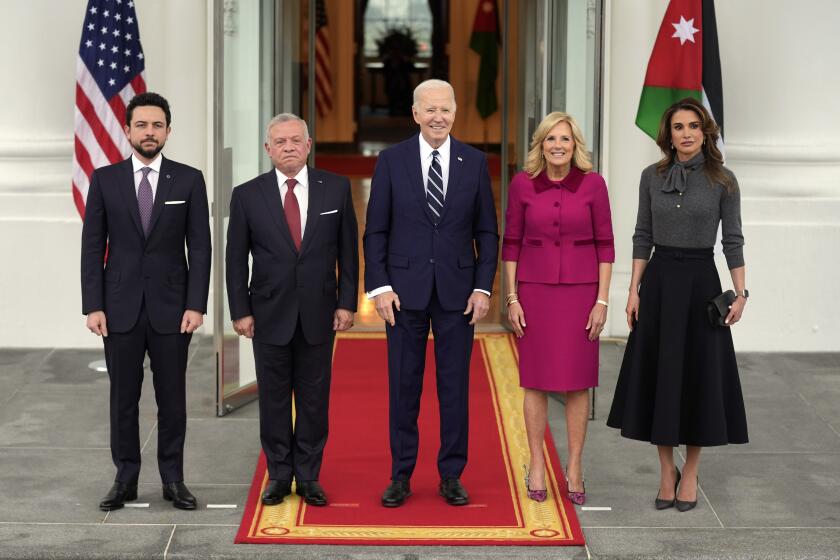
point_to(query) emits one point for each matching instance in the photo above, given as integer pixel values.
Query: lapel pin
(168, 176)
(460, 158)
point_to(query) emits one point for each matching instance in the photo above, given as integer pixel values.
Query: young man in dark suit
(431, 247)
(299, 227)
(143, 293)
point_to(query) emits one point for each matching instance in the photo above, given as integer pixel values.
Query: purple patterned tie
(145, 200)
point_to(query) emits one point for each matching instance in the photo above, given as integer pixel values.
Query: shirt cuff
(373, 293)
(482, 291)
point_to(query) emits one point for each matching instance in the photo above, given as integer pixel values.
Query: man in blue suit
(431, 244)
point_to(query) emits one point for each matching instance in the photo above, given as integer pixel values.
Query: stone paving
(778, 497)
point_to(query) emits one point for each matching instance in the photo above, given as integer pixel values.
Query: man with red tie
(299, 227)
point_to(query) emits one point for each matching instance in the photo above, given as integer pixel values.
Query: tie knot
(291, 183)
(435, 154)
(145, 171)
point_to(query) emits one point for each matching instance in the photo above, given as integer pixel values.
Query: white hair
(433, 84)
(285, 117)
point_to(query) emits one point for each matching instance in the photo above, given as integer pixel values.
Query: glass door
(261, 56)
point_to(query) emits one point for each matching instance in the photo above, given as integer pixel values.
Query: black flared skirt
(679, 381)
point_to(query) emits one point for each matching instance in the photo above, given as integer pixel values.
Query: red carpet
(357, 465)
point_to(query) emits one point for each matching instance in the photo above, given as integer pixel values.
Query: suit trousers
(124, 355)
(301, 371)
(453, 344)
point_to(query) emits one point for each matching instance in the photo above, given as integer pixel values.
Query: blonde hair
(535, 161)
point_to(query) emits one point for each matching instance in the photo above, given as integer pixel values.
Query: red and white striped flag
(323, 79)
(109, 72)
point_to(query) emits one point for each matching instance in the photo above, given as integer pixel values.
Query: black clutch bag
(718, 308)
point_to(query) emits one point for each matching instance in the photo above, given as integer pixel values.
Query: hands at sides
(597, 319)
(516, 316)
(735, 311)
(478, 305)
(244, 326)
(96, 323)
(191, 321)
(342, 319)
(385, 304)
(632, 308)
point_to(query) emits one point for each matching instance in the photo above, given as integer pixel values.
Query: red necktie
(292, 210)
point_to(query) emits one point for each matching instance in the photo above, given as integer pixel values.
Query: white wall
(780, 82)
(40, 230)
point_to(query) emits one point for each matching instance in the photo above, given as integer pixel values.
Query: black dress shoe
(311, 492)
(119, 493)
(665, 504)
(453, 492)
(275, 491)
(179, 495)
(396, 493)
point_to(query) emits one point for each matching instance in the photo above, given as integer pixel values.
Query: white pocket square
(175, 202)
(330, 212)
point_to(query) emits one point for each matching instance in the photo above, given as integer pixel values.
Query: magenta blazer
(558, 232)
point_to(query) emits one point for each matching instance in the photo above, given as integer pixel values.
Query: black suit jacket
(284, 283)
(156, 270)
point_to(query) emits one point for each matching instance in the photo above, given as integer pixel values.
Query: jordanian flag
(684, 63)
(485, 41)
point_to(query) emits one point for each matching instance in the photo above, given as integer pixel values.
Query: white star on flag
(685, 30)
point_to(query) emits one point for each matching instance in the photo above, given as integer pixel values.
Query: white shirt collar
(302, 177)
(426, 149)
(137, 165)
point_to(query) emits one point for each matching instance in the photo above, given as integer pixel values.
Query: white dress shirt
(425, 163)
(301, 192)
(154, 174)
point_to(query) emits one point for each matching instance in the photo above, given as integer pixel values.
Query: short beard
(148, 154)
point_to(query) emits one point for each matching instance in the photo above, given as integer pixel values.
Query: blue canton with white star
(110, 46)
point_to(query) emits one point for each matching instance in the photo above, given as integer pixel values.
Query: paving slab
(217, 451)
(60, 420)
(83, 542)
(631, 543)
(54, 485)
(774, 490)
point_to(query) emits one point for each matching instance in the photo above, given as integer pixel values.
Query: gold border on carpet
(535, 520)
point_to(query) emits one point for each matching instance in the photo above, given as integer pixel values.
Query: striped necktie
(434, 187)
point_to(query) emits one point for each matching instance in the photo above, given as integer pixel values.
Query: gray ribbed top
(688, 218)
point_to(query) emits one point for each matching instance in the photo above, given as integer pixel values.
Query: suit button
(556, 204)
(556, 223)
(556, 243)
(432, 261)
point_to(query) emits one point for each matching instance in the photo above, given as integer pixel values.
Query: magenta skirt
(555, 353)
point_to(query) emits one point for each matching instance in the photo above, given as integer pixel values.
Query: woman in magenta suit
(557, 255)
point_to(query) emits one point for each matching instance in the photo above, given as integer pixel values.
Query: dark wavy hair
(147, 99)
(713, 166)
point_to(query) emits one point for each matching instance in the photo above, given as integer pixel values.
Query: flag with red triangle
(685, 62)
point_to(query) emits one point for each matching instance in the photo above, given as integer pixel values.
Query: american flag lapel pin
(460, 158)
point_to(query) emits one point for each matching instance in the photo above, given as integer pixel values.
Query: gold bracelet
(602, 302)
(512, 302)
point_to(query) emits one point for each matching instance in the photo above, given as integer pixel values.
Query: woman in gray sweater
(679, 381)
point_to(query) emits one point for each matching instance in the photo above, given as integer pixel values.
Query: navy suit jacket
(286, 283)
(406, 250)
(157, 270)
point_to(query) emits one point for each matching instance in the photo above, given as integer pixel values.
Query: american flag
(323, 80)
(109, 72)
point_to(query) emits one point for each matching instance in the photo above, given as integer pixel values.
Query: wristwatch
(743, 293)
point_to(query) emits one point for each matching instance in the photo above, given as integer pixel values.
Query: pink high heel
(536, 495)
(578, 498)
